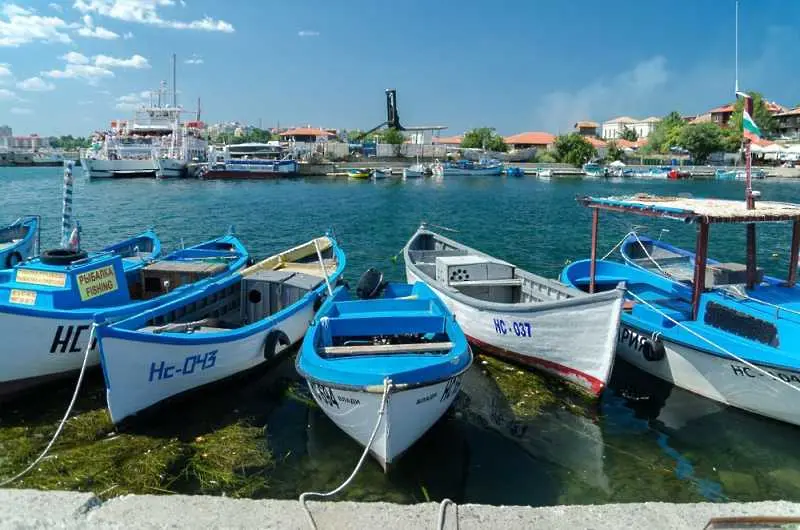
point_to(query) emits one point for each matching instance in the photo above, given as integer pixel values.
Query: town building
(722, 115)
(789, 123)
(454, 141)
(526, 140)
(587, 128)
(307, 134)
(612, 129)
(34, 142)
(5, 130)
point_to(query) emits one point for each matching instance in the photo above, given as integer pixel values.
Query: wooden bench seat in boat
(378, 349)
(308, 268)
(163, 276)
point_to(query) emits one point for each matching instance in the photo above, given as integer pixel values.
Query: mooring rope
(64, 419)
(387, 387)
(712, 343)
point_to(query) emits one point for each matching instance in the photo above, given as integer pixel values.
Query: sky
(71, 66)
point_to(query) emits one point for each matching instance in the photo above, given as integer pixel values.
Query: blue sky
(70, 66)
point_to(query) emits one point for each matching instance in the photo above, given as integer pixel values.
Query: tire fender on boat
(274, 338)
(653, 348)
(12, 259)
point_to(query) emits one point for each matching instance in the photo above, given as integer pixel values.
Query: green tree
(614, 152)
(484, 138)
(665, 135)
(70, 143)
(574, 149)
(545, 157)
(761, 115)
(628, 134)
(392, 136)
(701, 139)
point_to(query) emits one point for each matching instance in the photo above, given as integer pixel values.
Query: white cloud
(146, 12)
(95, 32)
(132, 101)
(87, 72)
(75, 58)
(22, 26)
(128, 35)
(20, 110)
(5, 72)
(56, 7)
(35, 84)
(6, 94)
(86, 102)
(307, 33)
(135, 61)
(194, 59)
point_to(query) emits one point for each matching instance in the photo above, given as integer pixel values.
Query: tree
(392, 136)
(701, 139)
(614, 152)
(628, 134)
(665, 135)
(761, 115)
(70, 143)
(484, 138)
(574, 149)
(545, 157)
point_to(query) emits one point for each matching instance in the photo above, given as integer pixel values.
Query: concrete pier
(22, 509)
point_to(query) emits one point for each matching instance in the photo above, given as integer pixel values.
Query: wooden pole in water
(701, 252)
(793, 256)
(593, 262)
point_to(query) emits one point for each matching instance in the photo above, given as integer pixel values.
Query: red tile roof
(585, 124)
(625, 144)
(307, 131)
(793, 112)
(448, 140)
(724, 108)
(597, 143)
(530, 138)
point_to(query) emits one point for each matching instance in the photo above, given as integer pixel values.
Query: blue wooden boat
(724, 332)
(48, 304)
(462, 168)
(234, 324)
(397, 350)
(19, 241)
(738, 174)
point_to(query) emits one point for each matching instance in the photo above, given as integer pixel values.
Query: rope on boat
(63, 420)
(324, 270)
(387, 387)
(443, 512)
(646, 253)
(712, 343)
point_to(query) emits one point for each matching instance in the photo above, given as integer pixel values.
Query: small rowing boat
(517, 315)
(232, 325)
(48, 304)
(386, 367)
(359, 174)
(19, 241)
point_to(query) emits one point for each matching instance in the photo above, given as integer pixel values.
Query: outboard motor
(370, 284)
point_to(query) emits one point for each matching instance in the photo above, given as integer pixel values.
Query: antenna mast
(736, 88)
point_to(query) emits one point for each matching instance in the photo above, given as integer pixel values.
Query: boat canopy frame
(703, 213)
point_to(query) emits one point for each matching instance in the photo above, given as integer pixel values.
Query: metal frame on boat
(19, 241)
(517, 315)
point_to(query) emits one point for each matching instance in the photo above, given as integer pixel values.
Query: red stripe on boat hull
(590, 384)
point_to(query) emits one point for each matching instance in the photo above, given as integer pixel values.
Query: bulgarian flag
(749, 127)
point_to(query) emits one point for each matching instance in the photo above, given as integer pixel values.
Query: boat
(384, 367)
(48, 158)
(517, 315)
(48, 304)
(381, 173)
(738, 174)
(19, 241)
(514, 172)
(234, 324)
(252, 160)
(414, 171)
(486, 167)
(725, 332)
(545, 173)
(591, 169)
(156, 143)
(358, 174)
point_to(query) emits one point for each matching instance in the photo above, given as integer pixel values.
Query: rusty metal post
(793, 257)
(701, 253)
(751, 255)
(593, 262)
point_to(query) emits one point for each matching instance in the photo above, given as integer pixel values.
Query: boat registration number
(191, 364)
(513, 327)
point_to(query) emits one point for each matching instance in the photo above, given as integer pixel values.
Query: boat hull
(715, 377)
(97, 168)
(39, 348)
(140, 374)
(409, 414)
(170, 168)
(561, 341)
(412, 173)
(457, 172)
(234, 171)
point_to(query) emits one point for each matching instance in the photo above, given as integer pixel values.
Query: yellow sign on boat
(97, 282)
(52, 279)
(20, 296)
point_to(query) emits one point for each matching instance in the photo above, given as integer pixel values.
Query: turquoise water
(645, 440)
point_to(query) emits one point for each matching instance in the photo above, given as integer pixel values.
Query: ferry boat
(250, 160)
(154, 143)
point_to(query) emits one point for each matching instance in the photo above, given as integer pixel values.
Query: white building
(5, 130)
(612, 129)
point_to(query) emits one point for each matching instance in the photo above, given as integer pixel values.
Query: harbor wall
(69, 510)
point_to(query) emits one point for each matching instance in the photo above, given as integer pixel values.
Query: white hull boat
(517, 315)
(97, 168)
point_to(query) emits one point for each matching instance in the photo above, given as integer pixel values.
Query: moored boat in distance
(234, 324)
(517, 315)
(358, 174)
(386, 367)
(738, 174)
(19, 241)
(54, 299)
(464, 168)
(721, 330)
(253, 160)
(414, 171)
